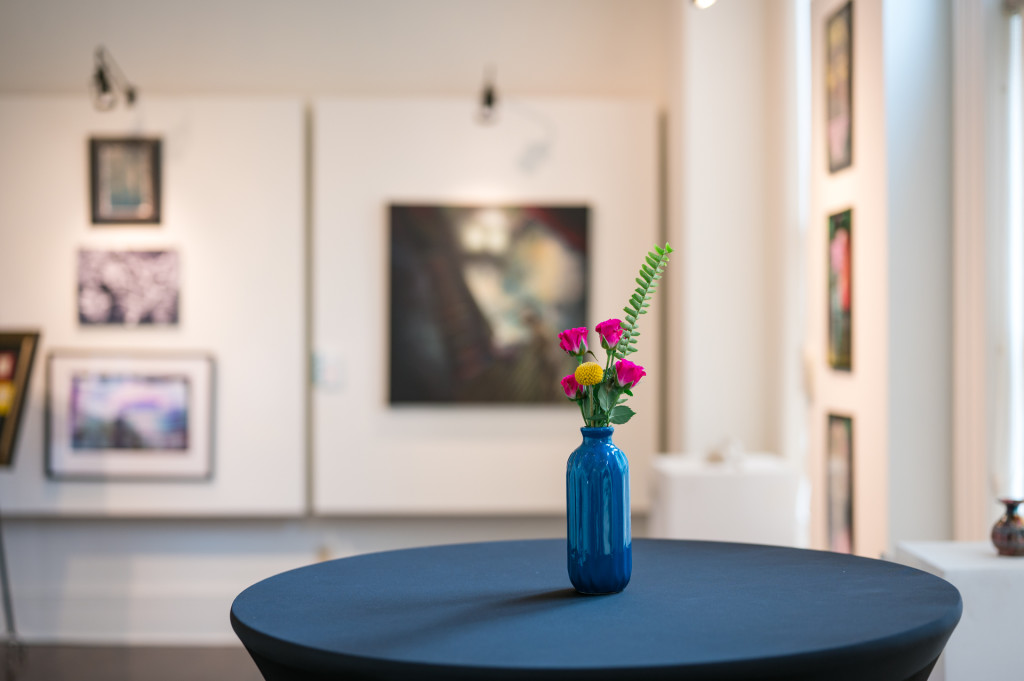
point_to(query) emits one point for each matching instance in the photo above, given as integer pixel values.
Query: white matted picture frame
(122, 415)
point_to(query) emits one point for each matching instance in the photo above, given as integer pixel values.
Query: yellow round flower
(589, 373)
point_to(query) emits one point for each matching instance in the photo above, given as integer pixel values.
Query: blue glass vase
(600, 546)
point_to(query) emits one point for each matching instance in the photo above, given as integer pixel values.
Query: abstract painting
(839, 87)
(128, 288)
(478, 296)
(839, 467)
(840, 291)
(131, 416)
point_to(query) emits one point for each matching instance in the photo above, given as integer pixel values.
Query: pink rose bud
(573, 341)
(610, 332)
(572, 388)
(628, 374)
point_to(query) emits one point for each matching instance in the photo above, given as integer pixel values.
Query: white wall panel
(233, 176)
(369, 458)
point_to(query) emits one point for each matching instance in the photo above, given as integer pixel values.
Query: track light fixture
(107, 81)
(488, 111)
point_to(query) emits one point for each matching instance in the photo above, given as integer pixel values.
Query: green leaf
(621, 414)
(605, 398)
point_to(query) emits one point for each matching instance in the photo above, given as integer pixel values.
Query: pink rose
(573, 341)
(572, 387)
(610, 332)
(628, 374)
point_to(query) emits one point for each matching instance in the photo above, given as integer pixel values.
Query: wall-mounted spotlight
(703, 4)
(488, 111)
(107, 81)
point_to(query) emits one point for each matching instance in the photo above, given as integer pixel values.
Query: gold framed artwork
(17, 352)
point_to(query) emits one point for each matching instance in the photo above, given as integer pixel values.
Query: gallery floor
(136, 663)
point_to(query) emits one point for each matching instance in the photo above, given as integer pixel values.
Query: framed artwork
(124, 176)
(840, 291)
(128, 288)
(129, 416)
(478, 293)
(839, 486)
(17, 352)
(839, 87)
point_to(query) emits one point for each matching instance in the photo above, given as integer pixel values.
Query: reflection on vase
(1008, 532)
(600, 547)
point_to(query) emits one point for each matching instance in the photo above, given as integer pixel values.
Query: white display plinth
(984, 644)
(755, 498)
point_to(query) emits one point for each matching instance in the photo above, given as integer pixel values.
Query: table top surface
(711, 609)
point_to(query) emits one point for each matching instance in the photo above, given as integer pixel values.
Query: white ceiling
(371, 47)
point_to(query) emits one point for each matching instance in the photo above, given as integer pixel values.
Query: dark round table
(505, 610)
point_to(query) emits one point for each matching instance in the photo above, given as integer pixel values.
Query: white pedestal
(758, 499)
(986, 643)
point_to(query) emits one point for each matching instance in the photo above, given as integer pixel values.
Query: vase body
(599, 541)
(1008, 532)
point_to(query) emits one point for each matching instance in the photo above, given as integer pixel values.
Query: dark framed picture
(839, 484)
(129, 416)
(124, 176)
(128, 288)
(840, 291)
(477, 295)
(839, 87)
(17, 352)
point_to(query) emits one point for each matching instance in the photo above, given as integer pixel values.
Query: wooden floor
(101, 663)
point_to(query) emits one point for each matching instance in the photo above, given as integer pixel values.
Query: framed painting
(128, 416)
(478, 295)
(124, 176)
(17, 352)
(839, 87)
(839, 485)
(128, 288)
(840, 291)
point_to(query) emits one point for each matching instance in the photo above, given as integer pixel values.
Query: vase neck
(1011, 506)
(597, 434)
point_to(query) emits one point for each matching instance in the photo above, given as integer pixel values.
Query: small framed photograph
(17, 351)
(125, 180)
(129, 416)
(839, 87)
(840, 291)
(839, 484)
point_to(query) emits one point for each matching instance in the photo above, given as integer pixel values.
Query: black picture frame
(840, 297)
(839, 88)
(125, 180)
(839, 461)
(17, 354)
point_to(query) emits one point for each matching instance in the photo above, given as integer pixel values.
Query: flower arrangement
(599, 391)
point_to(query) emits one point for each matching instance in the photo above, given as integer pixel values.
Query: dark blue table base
(273, 671)
(503, 611)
